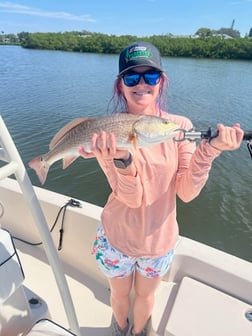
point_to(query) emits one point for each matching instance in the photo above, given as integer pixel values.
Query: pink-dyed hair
(118, 102)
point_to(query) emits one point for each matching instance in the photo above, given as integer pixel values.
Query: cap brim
(139, 65)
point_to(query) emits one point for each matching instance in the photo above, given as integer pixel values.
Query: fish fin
(41, 168)
(60, 134)
(133, 139)
(67, 161)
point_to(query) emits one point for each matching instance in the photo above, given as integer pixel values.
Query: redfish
(130, 130)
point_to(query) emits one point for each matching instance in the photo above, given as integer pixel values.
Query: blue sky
(119, 17)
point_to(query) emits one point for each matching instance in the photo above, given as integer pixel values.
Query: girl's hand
(228, 138)
(103, 146)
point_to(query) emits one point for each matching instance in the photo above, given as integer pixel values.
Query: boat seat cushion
(203, 310)
(47, 327)
(11, 272)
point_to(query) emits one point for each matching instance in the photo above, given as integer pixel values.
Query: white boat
(46, 291)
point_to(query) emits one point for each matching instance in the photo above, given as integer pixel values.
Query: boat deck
(206, 292)
(188, 308)
(90, 297)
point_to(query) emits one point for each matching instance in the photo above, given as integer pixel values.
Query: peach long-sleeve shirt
(139, 217)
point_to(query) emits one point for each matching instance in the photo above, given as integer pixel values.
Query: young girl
(138, 230)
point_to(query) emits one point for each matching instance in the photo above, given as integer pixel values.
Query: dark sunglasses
(151, 77)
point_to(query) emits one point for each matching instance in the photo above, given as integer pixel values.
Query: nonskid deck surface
(173, 299)
(90, 297)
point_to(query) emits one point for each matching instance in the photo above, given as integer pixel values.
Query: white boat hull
(221, 279)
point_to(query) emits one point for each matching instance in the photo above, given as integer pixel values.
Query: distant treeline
(217, 47)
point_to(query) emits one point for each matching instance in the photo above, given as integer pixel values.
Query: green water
(42, 90)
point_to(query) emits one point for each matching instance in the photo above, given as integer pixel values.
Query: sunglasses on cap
(132, 78)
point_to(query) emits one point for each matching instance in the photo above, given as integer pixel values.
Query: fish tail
(41, 167)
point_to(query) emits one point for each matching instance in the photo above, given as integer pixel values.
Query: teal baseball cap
(139, 54)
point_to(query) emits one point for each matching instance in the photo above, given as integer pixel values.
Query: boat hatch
(214, 313)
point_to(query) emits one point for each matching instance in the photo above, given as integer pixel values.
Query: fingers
(229, 138)
(100, 145)
(239, 132)
(103, 144)
(84, 154)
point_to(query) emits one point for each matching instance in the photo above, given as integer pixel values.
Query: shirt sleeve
(193, 170)
(127, 189)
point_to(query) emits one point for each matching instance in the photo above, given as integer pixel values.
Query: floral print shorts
(115, 264)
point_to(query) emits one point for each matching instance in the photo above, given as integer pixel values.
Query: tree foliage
(207, 45)
(229, 32)
(8, 38)
(222, 32)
